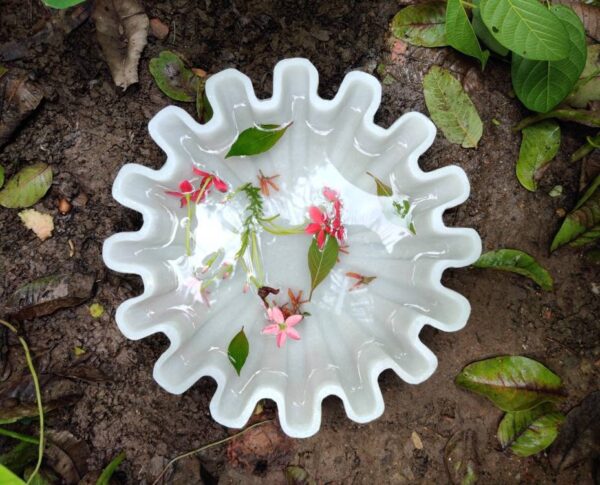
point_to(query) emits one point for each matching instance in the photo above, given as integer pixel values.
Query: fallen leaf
(27, 187)
(256, 140)
(451, 109)
(589, 15)
(1, 176)
(539, 146)
(173, 77)
(49, 294)
(238, 351)
(122, 31)
(582, 225)
(19, 98)
(18, 458)
(296, 475)
(556, 191)
(516, 261)
(587, 88)
(460, 456)
(41, 224)
(159, 29)
(96, 310)
(416, 440)
(422, 25)
(78, 351)
(67, 456)
(579, 437)
(512, 383)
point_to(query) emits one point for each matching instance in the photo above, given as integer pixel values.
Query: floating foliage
(238, 350)
(256, 140)
(321, 262)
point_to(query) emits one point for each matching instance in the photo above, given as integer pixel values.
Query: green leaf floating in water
(62, 4)
(321, 262)
(383, 189)
(451, 109)
(518, 262)
(460, 33)
(541, 85)
(583, 221)
(238, 351)
(531, 431)
(539, 146)
(256, 140)
(422, 25)
(527, 28)
(512, 383)
(173, 77)
(110, 469)
(28, 186)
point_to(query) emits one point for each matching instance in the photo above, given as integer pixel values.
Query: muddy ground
(87, 129)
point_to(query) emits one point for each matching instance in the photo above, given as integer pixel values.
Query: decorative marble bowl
(354, 330)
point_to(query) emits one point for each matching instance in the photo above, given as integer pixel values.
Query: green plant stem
(188, 226)
(278, 230)
(18, 436)
(38, 396)
(584, 117)
(588, 147)
(206, 447)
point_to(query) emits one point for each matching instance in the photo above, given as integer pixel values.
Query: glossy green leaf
(256, 140)
(451, 109)
(383, 189)
(27, 187)
(527, 28)
(587, 88)
(531, 431)
(422, 24)
(460, 33)
(518, 262)
(62, 4)
(173, 77)
(110, 469)
(512, 383)
(1, 176)
(321, 262)
(539, 146)
(238, 350)
(583, 220)
(9, 478)
(484, 34)
(542, 85)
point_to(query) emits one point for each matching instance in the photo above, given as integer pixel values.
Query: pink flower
(319, 225)
(282, 327)
(186, 192)
(198, 289)
(209, 179)
(330, 194)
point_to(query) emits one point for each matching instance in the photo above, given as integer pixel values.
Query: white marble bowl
(352, 334)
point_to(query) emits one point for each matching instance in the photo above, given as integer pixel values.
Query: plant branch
(587, 148)
(584, 117)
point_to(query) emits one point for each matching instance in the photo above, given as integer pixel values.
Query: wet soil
(87, 129)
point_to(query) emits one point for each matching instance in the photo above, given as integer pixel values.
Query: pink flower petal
(316, 215)
(271, 329)
(312, 228)
(280, 339)
(186, 187)
(293, 320)
(276, 315)
(330, 194)
(173, 193)
(202, 173)
(321, 238)
(292, 333)
(220, 185)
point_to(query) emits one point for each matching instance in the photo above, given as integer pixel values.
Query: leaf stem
(188, 226)
(206, 447)
(587, 148)
(38, 396)
(585, 117)
(18, 436)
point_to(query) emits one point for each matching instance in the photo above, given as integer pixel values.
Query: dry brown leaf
(122, 31)
(41, 224)
(159, 29)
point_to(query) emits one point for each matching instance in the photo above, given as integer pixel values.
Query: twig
(206, 447)
(38, 397)
(584, 117)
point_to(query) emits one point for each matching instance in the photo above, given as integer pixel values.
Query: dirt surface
(87, 129)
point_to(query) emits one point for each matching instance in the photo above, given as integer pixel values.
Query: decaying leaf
(460, 456)
(539, 146)
(67, 456)
(19, 97)
(579, 437)
(173, 77)
(27, 187)
(296, 475)
(41, 224)
(422, 25)
(46, 295)
(96, 310)
(122, 31)
(587, 88)
(512, 382)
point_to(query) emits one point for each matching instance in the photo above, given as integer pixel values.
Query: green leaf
(527, 28)
(484, 34)
(582, 116)
(383, 189)
(518, 262)
(531, 431)
(96, 310)
(62, 4)
(173, 77)
(19, 457)
(591, 143)
(238, 351)
(512, 383)
(8, 477)
(460, 33)
(582, 221)
(107, 473)
(1, 176)
(296, 475)
(539, 146)
(587, 88)
(3, 70)
(256, 140)
(451, 108)
(321, 262)
(422, 25)
(26, 187)
(42, 477)
(204, 110)
(542, 85)
(460, 455)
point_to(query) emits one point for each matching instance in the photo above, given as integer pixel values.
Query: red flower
(319, 225)
(265, 182)
(186, 192)
(209, 179)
